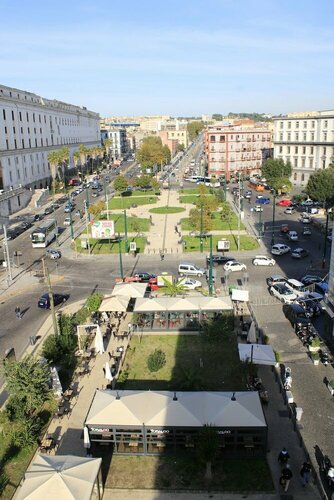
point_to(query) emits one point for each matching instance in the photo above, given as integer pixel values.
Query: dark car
(321, 288)
(58, 298)
(295, 313)
(276, 278)
(218, 259)
(310, 307)
(299, 253)
(48, 210)
(38, 217)
(144, 277)
(12, 234)
(310, 279)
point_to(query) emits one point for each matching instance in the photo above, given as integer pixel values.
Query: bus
(44, 234)
(257, 185)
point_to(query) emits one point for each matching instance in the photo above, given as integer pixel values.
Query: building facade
(231, 149)
(119, 148)
(306, 140)
(32, 126)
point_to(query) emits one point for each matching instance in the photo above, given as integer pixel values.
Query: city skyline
(217, 57)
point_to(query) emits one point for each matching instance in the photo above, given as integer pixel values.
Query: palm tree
(107, 144)
(76, 158)
(83, 152)
(64, 155)
(208, 447)
(53, 159)
(173, 288)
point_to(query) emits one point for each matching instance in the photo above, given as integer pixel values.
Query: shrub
(156, 360)
(93, 302)
(81, 316)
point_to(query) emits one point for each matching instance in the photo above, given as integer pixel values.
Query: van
(188, 269)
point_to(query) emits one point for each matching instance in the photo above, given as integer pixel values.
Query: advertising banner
(103, 229)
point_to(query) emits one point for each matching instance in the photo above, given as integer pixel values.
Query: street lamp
(273, 222)
(126, 232)
(201, 231)
(120, 256)
(325, 241)
(210, 268)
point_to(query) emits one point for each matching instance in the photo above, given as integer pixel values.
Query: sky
(174, 57)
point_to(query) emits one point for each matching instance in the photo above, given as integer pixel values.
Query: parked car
(310, 279)
(280, 249)
(233, 265)
(38, 217)
(297, 286)
(283, 293)
(53, 254)
(306, 231)
(258, 208)
(48, 210)
(307, 203)
(218, 259)
(292, 236)
(263, 260)
(190, 269)
(316, 297)
(248, 195)
(263, 201)
(275, 278)
(58, 298)
(299, 253)
(189, 283)
(289, 211)
(68, 208)
(305, 219)
(67, 221)
(321, 288)
(143, 276)
(295, 314)
(284, 228)
(284, 203)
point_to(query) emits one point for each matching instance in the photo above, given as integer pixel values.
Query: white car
(280, 249)
(283, 292)
(232, 265)
(263, 260)
(293, 236)
(67, 221)
(289, 210)
(190, 284)
(258, 208)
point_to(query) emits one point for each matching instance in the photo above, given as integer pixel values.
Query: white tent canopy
(60, 477)
(114, 304)
(187, 409)
(258, 354)
(240, 295)
(183, 304)
(131, 290)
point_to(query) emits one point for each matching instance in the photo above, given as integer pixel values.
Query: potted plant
(315, 358)
(330, 385)
(314, 346)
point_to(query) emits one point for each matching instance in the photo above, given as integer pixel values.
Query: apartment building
(119, 148)
(231, 148)
(307, 140)
(30, 127)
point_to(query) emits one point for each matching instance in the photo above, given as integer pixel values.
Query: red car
(284, 203)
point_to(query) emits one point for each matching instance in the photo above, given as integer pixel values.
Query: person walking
(18, 312)
(283, 457)
(305, 473)
(286, 477)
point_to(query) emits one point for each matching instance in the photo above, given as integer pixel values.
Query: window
(303, 162)
(29, 143)
(5, 130)
(281, 149)
(23, 143)
(324, 151)
(297, 124)
(297, 136)
(304, 136)
(303, 177)
(20, 115)
(4, 114)
(281, 124)
(296, 162)
(14, 131)
(311, 162)
(289, 124)
(312, 136)
(12, 115)
(289, 136)
(323, 163)
(18, 174)
(10, 176)
(311, 150)
(325, 123)
(33, 117)
(325, 136)
(281, 137)
(212, 138)
(295, 176)
(15, 144)
(305, 124)
(21, 130)
(296, 150)
(304, 150)
(27, 117)
(222, 138)
(7, 144)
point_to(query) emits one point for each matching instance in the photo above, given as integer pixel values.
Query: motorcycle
(328, 469)
(324, 357)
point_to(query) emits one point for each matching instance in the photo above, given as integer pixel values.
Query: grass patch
(106, 247)
(16, 463)
(217, 223)
(134, 224)
(184, 471)
(167, 210)
(195, 190)
(192, 198)
(119, 203)
(149, 192)
(183, 354)
(246, 242)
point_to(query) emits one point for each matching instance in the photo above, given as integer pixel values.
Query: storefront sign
(159, 431)
(224, 432)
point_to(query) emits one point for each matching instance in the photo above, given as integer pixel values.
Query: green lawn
(167, 210)
(104, 247)
(246, 242)
(149, 192)
(16, 463)
(217, 223)
(192, 198)
(222, 369)
(184, 471)
(194, 190)
(120, 202)
(134, 224)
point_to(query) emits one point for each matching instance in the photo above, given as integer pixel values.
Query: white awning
(114, 304)
(240, 295)
(132, 290)
(183, 304)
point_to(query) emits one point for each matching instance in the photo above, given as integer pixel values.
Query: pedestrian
(176, 229)
(129, 328)
(18, 312)
(283, 456)
(305, 473)
(286, 477)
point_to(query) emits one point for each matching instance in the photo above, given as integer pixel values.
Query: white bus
(44, 234)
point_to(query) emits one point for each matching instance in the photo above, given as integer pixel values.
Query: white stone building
(307, 140)
(30, 127)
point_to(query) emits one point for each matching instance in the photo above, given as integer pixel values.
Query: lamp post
(210, 268)
(120, 256)
(273, 222)
(325, 241)
(201, 231)
(71, 225)
(87, 229)
(87, 202)
(126, 232)
(260, 223)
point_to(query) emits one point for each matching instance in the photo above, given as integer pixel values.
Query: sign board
(223, 245)
(133, 246)
(103, 229)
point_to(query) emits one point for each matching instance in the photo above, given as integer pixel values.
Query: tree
(120, 183)
(320, 186)
(172, 288)
(83, 152)
(276, 169)
(97, 208)
(53, 159)
(208, 447)
(188, 378)
(76, 158)
(194, 128)
(107, 145)
(152, 153)
(226, 212)
(217, 116)
(28, 382)
(180, 147)
(195, 220)
(144, 181)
